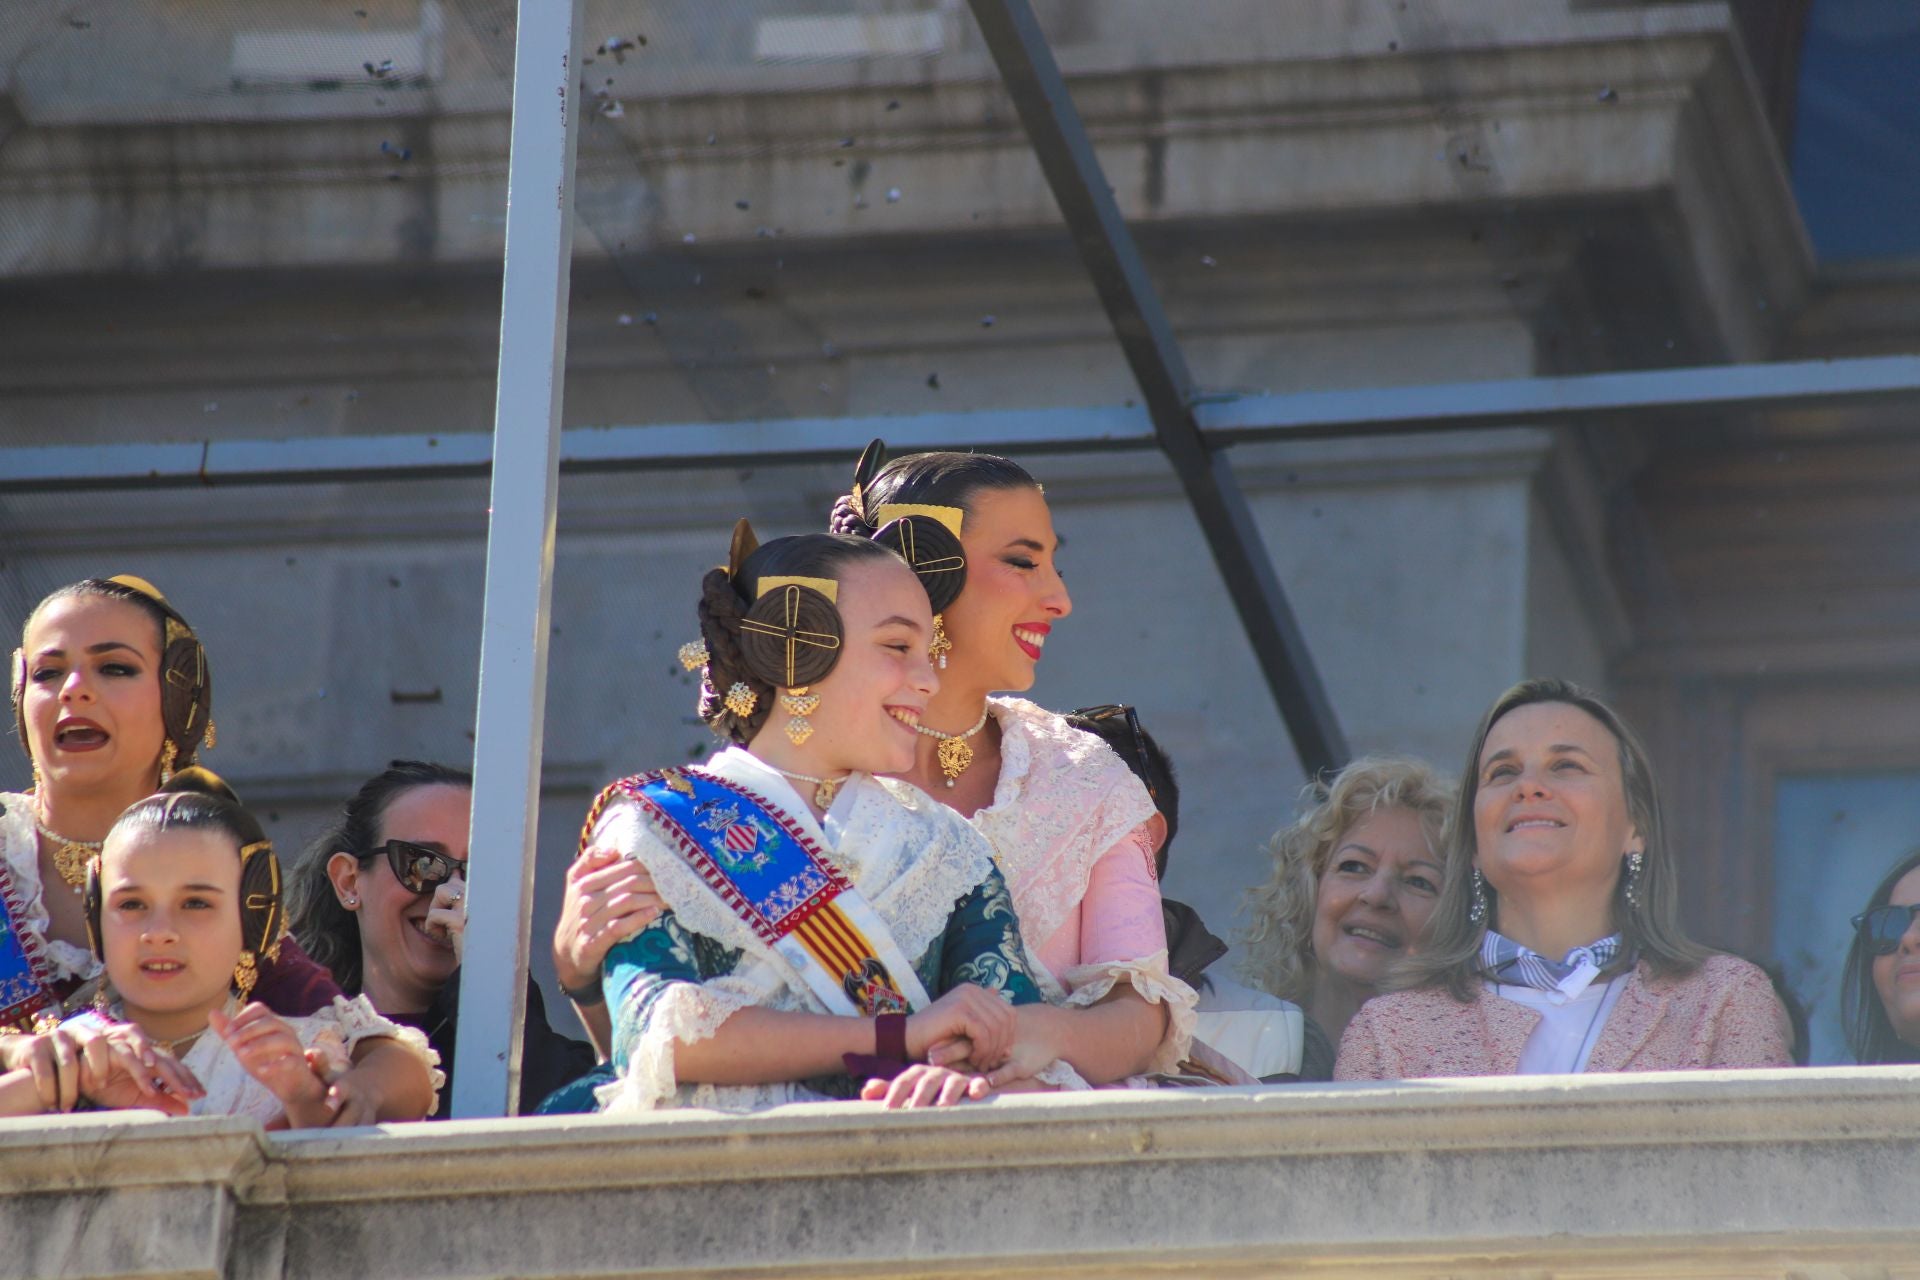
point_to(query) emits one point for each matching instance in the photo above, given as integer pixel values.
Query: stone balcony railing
(1778, 1173)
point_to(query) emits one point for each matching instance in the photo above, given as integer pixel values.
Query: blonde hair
(1277, 947)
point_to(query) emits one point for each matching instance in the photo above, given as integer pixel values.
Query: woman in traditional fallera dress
(112, 691)
(1069, 823)
(824, 929)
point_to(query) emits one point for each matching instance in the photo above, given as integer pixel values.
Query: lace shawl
(20, 851)
(1063, 799)
(910, 856)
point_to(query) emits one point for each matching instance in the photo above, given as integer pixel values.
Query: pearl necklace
(954, 754)
(824, 789)
(71, 856)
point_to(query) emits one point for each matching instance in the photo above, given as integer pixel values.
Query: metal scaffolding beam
(1675, 396)
(1066, 155)
(510, 719)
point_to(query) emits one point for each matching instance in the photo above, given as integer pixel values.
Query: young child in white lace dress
(183, 904)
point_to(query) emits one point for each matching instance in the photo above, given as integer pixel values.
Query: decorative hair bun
(933, 551)
(186, 685)
(926, 536)
(791, 635)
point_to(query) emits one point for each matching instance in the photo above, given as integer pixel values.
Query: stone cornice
(1730, 1110)
(1463, 114)
(1751, 1173)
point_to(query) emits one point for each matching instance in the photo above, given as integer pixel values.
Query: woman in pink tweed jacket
(1556, 945)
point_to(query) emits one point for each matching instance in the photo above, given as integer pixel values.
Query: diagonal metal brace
(1113, 261)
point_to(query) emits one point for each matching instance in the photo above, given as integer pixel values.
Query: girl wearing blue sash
(824, 929)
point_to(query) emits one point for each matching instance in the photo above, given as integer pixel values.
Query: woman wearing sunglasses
(1556, 945)
(1880, 992)
(380, 899)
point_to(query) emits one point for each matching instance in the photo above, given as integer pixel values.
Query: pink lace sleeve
(1120, 918)
(1122, 937)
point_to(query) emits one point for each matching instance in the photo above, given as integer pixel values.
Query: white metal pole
(513, 640)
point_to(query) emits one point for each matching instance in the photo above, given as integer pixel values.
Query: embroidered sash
(775, 879)
(27, 983)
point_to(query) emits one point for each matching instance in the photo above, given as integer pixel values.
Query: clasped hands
(970, 1045)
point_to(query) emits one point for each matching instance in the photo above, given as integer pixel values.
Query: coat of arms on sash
(768, 871)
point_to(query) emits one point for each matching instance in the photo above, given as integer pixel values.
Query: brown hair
(1863, 1016)
(727, 599)
(186, 682)
(1651, 929)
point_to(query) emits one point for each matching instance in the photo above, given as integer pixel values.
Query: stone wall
(1748, 1174)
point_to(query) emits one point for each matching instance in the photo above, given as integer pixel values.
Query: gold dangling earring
(940, 646)
(799, 704)
(245, 974)
(167, 755)
(213, 736)
(37, 783)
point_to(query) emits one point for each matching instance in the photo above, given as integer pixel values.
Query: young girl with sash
(183, 905)
(824, 929)
(112, 691)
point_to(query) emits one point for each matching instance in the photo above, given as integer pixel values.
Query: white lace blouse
(335, 1030)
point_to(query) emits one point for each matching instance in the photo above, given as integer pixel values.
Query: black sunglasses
(1144, 758)
(1883, 927)
(419, 868)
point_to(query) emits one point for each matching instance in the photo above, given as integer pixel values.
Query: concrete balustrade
(1780, 1173)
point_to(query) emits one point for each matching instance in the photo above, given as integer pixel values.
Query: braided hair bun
(721, 613)
(785, 637)
(847, 518)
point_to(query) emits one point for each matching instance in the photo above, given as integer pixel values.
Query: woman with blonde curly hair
(1355, 877)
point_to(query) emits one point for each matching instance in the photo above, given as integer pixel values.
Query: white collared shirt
(1569, 1027)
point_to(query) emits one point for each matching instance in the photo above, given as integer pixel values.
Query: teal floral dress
(928, 877)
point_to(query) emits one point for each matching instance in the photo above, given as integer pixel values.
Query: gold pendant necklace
(70, 857)
(954, 752)
(824, 789)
